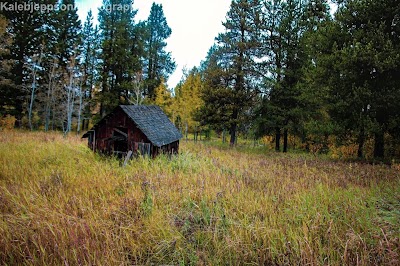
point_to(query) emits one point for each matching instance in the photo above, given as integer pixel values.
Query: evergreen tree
(364, 73)
(30, 34)
(68, 33)
(68, 48)
(285, 49)
(235, 54)
(6, 83)
(120, 54)
(158, 63)
(89, 58)
(307, 114)
(216, 95)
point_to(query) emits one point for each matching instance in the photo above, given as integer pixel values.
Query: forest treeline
(58, 73)
(284, 68)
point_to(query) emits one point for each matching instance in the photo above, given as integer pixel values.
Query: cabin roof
(152, 121)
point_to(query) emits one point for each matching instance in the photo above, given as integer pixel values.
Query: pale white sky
(194, 25)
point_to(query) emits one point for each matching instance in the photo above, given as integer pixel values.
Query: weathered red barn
(141, 129)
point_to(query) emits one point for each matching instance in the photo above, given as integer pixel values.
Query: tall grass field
(62, 204)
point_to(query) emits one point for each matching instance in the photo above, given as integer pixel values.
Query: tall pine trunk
(285, 140)
(379, 146)
(19, 96)
(361, 141)
(233, 128)
(49, 98)
(277, 139)
(232, 140)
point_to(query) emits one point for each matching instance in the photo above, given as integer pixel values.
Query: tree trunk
(232, 140)
(84, 124)
(47, 117)
(285, 140)
(70, 97)
(102, 109)
(49, 99)
(33, 89)
(31, 102)
(277, 139)
(80, 109)
(379, 147)
(233, 128)
(361, 141)
(19, 73)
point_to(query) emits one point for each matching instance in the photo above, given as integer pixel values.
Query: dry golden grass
(61, 204)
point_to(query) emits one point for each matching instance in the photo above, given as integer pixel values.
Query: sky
(194, 25)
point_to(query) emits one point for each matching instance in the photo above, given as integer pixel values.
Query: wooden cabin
(144, 130)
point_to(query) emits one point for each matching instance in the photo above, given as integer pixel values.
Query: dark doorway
(120, 138)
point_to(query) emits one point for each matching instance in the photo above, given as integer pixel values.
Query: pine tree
(364, 74)
(68, 48)
(120, 54)
(284, 29)
(30, 34)
(68, 33)
(216, 95)
(6, 83)
(49, 96)
(89, 59)
(235, 54)
(158, 63)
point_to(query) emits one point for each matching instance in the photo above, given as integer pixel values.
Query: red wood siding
(104, 131)
(119, 119)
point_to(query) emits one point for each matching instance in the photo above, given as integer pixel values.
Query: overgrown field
(61, 204)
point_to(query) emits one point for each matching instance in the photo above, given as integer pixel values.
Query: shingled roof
(153, 122)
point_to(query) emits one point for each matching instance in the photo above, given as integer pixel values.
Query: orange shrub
(7, 122)
(268, 141)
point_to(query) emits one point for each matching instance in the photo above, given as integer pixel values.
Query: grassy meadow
(62, 204)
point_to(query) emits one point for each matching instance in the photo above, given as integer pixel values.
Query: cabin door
(120, 136)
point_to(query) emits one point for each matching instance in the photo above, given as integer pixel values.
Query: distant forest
(290, 71)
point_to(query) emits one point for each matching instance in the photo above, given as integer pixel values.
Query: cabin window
(142, 148)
